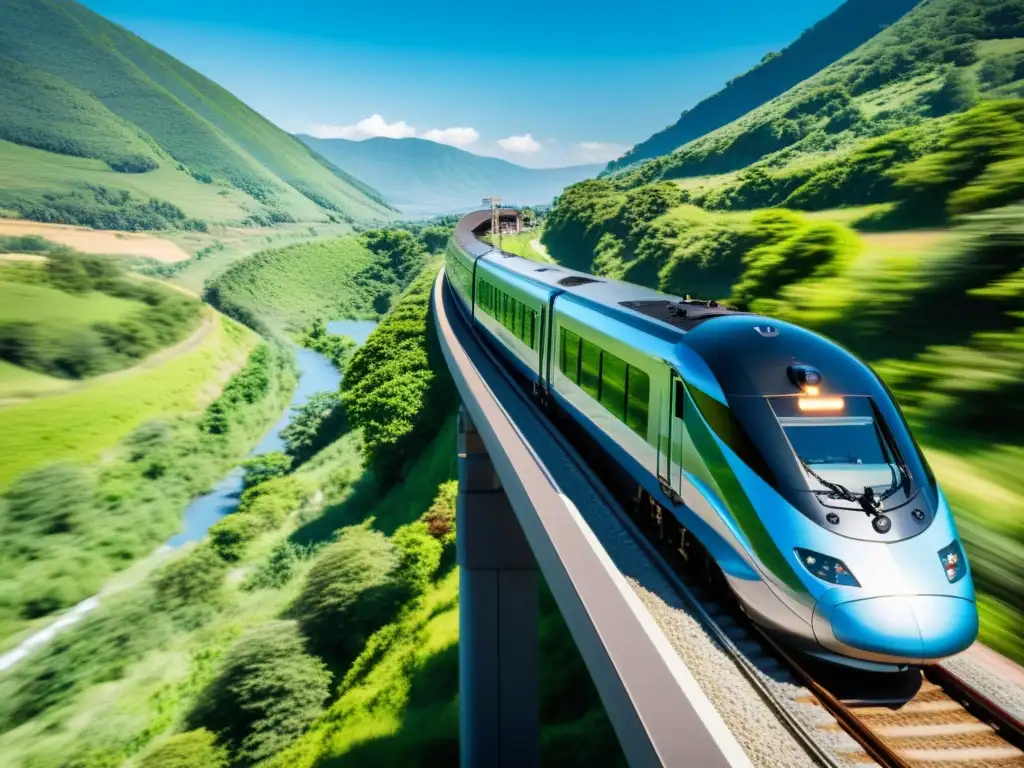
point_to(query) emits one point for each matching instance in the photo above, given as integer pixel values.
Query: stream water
(316, 374)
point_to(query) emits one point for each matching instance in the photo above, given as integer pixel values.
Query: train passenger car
(752, 444)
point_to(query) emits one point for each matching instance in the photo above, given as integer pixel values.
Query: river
(316, 374)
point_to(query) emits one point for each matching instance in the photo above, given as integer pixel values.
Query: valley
(227, 476)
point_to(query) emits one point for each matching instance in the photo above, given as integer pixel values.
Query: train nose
(913, 629)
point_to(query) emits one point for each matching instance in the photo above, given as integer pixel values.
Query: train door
(676, 430)
(542, 344)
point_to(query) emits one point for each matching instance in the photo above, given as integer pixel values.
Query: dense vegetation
(66, 526)
(913, 312)
(44, 323)
(330, 596)
(937, 60)
(75, 84)
(850, 25)
(290, 288)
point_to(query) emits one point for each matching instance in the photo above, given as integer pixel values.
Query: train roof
(679, 314)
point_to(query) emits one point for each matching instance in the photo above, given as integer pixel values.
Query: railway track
(923, 719)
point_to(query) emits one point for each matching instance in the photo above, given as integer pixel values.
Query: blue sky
(541, 85)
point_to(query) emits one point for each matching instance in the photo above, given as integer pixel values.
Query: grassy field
(18, 382)
(81, 425)
(215, 251)
(48, 306)
(522, 245)
(294, 285)
(27, 173)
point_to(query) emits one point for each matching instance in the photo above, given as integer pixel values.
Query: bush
(314, 425)
(192, 749)
(230, 535)
(818, 250)
(280, 566)
(958, 93)
(440, 518)
(396, 388)
(266, 466)
(352, 590)
(193, 580)
(268, 691)
(419, 555)
(54, 499)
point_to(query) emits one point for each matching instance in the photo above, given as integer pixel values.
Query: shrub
(419, 555)
(440, 518)
(396, 388)
(192, 749)
(351, 591)
(958, 93)
(266, 466)
(280, 566)
(267, 692)
(816, 250)
(230, 536)
(53, 499)
(314, 425)
(195, 579)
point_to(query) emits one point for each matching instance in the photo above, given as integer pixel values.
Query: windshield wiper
(868, 500)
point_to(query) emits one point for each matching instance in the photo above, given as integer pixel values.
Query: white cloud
(524, 145)
(600, 151)
(367, 128)
(456, 137)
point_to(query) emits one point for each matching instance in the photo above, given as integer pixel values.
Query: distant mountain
(424, 178)
(852, 24)
(74, 85)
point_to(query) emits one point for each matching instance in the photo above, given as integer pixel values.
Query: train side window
(590, 369)
(613, 385)
(518, 321)
(571, 355)
(638, 397)
(532, 331)
(679, 399)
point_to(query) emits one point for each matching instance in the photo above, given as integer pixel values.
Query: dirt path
(103, 241)
(197, 339)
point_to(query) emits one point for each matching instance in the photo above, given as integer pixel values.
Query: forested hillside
(850, 25)
(939, 59)
(880, 203)
(424, 178)
(77, 86)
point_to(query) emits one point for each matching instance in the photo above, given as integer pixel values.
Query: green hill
(424, 178)
(937, 60)
(74, 84)
(850, 25)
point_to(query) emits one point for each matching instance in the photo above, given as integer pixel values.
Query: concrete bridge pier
(498, 641)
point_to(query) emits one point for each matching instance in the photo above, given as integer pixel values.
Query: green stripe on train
(733, 495)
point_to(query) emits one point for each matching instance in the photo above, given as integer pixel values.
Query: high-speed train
(752, 444)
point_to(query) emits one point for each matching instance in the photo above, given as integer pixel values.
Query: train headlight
(826, 568)
(953, 562)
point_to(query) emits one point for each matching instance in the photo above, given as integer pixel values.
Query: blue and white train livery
(751, 443)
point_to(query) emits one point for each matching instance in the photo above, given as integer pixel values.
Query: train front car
(825, 487)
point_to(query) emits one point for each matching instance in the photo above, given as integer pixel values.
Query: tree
(267, 692)
(192, 749)
(959, 92)
(264, 467)
(314, 425)
(351, 591)
(53, 499)
(420, 555)
(194, 579)
(435, 238)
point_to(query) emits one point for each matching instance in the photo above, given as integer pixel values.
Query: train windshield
(836, 440)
